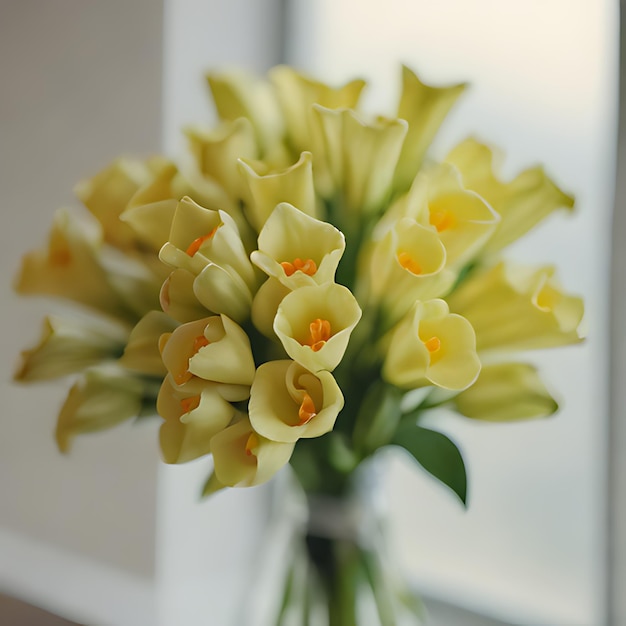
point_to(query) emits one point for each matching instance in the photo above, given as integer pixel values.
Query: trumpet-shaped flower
(177, 297)
(506, 392)
(191, 420)
(521, 203)
(266, 189)
(424, 108)
(356, 160)
(432, 346)
(207, 244)
(518, 308)
(407, 265)
(288, 402)
(214, 349)
(216, 152)
(71, 267)
(141, 352)
(108, 193)
(314, 324)
(297, 249)
(297, 94)
(244, 458)
(237, 94)
(103, 398)
(265, 305)
(67, 346)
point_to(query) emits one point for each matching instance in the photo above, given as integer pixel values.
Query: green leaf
(437, 454)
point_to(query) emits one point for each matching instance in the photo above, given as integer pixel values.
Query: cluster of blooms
(305, 271)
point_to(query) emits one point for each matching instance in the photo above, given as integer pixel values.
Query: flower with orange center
(288, 402)
(244, 458)
(214, 349)
(431, 346)
(298, 250)
(191, 421)
(314, 324)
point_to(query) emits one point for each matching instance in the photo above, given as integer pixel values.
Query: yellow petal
(506, 392)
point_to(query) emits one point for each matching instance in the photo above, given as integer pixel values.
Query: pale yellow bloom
(177, 297)
(407, 265)
(70, 345)
(141, 353)
(506, 392)
(424, 108)
(214, 349)
(191, 420)
(207, 244)
(521, 203)
(244, 458)
(314, 324)
(265, 305)
(108, 193)
(518, 308)
(266, 188)
(297, 94)
(356, 160)
(432, 346)
(216, 153)
(288, 402)
(103, 398)
(71, 267)
(298, 250)
(238, 94)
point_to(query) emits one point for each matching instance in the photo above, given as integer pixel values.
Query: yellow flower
(237, 94)
(518, 308)
(214, 349)
(407, 265)
(506, 392)
(191, 420)
(432, 346)
(267, 188)
(265, 305)
(298, 250)
(103, 398)
(108, 193)
(177, 297)
(424, 108)
(314, 324)
(207, 244)
(356, 160)
(69, 346)
(216, 153)
(297, 94)
(142, 347)
(71, 267)
(521, 203)
(288, 402)
(244, 458)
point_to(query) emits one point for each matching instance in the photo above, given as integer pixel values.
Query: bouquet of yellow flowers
(302, 290)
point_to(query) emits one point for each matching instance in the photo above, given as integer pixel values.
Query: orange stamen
(252, 443)
(189, 404)
(199, 342)
(307, 410)
(409, 263)
(320, 334)
(433, 344)
(442, 220)
(196, 244)
(307, 267)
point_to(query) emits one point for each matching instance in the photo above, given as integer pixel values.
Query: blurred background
(85, 81)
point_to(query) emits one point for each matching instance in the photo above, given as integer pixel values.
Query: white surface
(543, 86)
